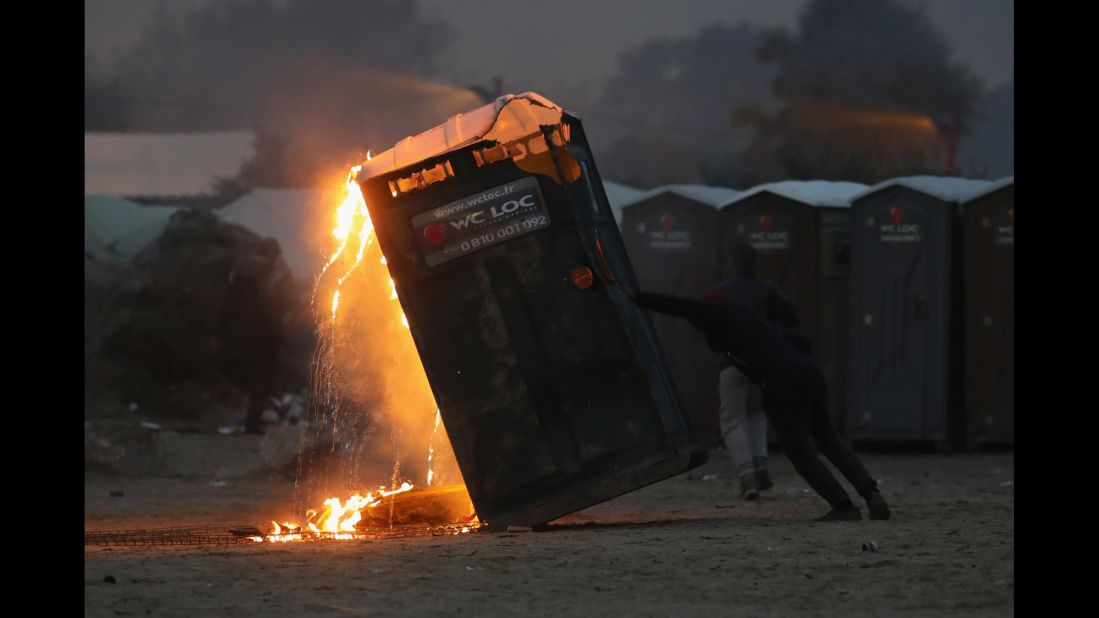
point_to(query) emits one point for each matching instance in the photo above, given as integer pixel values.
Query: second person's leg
(733, 390)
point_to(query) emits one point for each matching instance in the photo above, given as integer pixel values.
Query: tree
(869, 91)
(664, 116)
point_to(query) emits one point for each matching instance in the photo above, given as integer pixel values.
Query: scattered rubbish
(270, 417)
(1007, 483)
(109, 580)
(468, 568)
(124, 447)
(843, 591)
(519, 528)
(116, 493)
(228, 431)
(151, 425)
(218, 483)
(133, 407)
(709, 477)
(869, 546)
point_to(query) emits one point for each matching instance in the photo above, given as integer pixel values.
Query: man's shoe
(763, 478)
(851, 513)
(749, 488)
(877, 506)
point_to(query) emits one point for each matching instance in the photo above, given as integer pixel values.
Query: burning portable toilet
(905, 350)
(669, 233)
(801, 233)
(990, 314)
(513, 277)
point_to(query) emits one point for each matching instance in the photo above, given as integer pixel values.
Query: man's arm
(698, 312)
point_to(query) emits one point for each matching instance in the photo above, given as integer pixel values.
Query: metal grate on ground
(235, 535)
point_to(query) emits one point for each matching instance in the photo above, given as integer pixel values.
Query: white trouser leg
(757, 425)
(733, 389)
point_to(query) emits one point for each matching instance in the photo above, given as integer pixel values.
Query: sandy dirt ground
(682, 547)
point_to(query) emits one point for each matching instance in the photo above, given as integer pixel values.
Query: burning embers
(441, 510)
(337, 520)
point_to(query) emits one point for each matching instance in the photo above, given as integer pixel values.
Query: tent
(293, 217)
(115, 228)
(148, 165)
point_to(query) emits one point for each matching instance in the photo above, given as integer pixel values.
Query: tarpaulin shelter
(295, 218)
(162, 167)
(115, 228)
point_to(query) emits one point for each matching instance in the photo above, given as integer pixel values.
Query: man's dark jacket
(775, 359)
(759, 295)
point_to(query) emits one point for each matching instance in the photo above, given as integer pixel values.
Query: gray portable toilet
(990, 314)
(800, 230)
(905, 347)
(669, 235)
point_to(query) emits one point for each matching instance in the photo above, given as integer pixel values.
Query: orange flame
(339, 519)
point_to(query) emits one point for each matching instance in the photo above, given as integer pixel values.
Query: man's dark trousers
(799, 413)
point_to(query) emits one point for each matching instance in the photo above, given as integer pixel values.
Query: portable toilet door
(670, 240)
(990, 314)
(800, 230)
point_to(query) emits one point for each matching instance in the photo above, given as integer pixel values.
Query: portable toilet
(905, 348)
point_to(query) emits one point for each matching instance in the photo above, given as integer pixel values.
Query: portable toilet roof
(811, 192)
(992, 188)
(714, 196)
(945, 188)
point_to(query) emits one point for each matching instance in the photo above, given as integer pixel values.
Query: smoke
(330, 79)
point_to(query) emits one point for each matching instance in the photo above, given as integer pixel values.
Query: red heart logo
(435, 233)
(666, 222)
(765, 222)
(896, 214)
(1011, 215)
